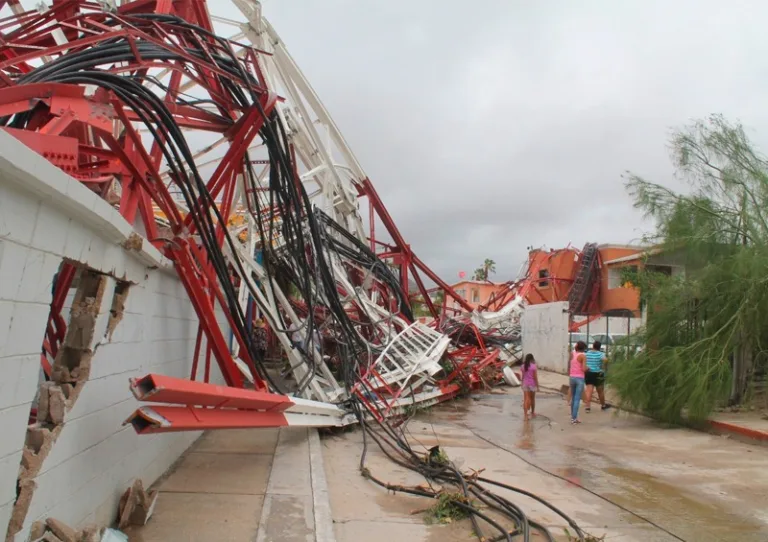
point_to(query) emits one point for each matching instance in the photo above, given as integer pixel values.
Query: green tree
(484, 271)
(419, 306)
(706, 329)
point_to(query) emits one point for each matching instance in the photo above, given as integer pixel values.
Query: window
(475, 295)
(543, 274)
(461, 293)
(615, 276)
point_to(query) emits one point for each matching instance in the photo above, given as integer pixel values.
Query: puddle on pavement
(680, 513)
(499, 417)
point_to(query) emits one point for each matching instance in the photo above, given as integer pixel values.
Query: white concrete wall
(46, 216)
(616, 325)
(545, 335)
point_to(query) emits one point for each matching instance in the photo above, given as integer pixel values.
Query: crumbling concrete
(54, 530)
(134, 242)
(37, 530)
(48, 219)
(136, 505)
(118, 308)
(70, 371)
(64, 532)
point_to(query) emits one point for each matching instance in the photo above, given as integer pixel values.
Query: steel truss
(117, 96)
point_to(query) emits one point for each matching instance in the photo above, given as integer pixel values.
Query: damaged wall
(89, 458)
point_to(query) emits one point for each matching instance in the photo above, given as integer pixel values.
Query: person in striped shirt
(595, 375)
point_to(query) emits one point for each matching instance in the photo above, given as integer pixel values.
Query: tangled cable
(315, 255)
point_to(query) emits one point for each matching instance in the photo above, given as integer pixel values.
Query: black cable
(312, 243)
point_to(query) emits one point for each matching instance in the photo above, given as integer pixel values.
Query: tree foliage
(699, 324)
(484, 271)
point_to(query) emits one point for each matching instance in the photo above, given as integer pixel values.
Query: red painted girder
(241, 134)
(171, 419)
(167, 389)
(189, 117)
(198, 295)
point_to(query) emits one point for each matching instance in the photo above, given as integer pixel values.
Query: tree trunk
(743, 363)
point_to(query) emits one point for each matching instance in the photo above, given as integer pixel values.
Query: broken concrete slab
(21, 507)
(42, 401)
(136, 505)
(118, 307)
(90, 533)
(57, 405)
(39, 441)
(64, 532)
(37, 530)
(70, 371)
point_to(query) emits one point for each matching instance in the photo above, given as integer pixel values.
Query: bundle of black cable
(309, 237)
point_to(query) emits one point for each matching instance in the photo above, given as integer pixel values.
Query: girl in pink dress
(530, 385)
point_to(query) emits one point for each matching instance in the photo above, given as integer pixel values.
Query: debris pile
(136, 505)
(53, 530)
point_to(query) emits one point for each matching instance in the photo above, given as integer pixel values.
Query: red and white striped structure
(85, 122)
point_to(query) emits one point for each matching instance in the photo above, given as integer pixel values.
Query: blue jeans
(577, 388)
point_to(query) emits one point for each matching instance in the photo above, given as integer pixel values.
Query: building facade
(475, 292)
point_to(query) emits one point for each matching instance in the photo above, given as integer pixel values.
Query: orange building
(474, 292)
(553, 274)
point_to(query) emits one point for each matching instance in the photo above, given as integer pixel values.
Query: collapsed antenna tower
(220, 154)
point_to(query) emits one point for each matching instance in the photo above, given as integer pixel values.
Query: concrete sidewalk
(244, 485)
(747, 426)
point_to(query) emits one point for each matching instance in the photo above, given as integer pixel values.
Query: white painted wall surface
(46, 215)
(615, 325)
(545, 335)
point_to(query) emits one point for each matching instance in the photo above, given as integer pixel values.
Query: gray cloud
(490, 128)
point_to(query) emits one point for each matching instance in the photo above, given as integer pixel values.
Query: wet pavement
(617, 474)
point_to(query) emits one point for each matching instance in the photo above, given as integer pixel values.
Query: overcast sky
(491, 126)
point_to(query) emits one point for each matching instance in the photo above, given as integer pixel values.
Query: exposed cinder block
(64, 532)
(87, 431)
(93, 457)
(74, 477)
